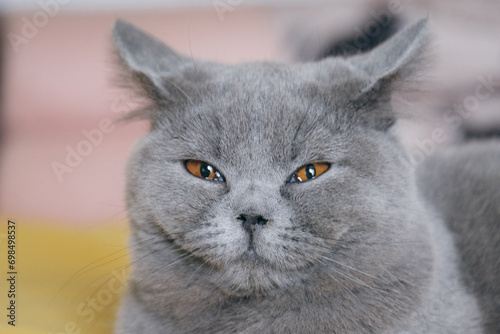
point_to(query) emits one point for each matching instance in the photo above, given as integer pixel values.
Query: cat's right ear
(153, 68)
(391, 67)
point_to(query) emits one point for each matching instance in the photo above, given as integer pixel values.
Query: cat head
(268, 174)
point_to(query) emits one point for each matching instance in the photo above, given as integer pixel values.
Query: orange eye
(309, 171)
(203, 170)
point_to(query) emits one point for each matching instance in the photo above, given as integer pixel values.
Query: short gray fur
(356, 250)
(464, 184)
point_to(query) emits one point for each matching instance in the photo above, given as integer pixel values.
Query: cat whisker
(336, 280)
(194, 272)
(180, 90)
(394, 278)
(358, 281)
(93, 265)
(345, 287)
(180, 258)
(357, 270)
(120, 269)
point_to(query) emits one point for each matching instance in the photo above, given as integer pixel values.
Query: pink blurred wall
(59, 84)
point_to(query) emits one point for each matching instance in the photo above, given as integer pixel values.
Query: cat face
(257, 225)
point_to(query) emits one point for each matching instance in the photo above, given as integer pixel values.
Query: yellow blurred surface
(69, 280)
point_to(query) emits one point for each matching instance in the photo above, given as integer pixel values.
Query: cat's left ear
(385, 69)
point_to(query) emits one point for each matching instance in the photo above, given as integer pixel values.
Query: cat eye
(309, 172)
(203, 170)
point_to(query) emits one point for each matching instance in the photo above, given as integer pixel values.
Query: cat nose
(250, 222)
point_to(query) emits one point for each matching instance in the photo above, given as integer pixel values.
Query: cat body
(356, 249)
(463, 183)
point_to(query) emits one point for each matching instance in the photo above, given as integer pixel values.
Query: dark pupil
(310, 171)
(205, 169)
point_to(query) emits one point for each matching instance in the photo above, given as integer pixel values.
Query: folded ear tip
(421, 27)
(121, 28)
(423, 22)
(121, 24)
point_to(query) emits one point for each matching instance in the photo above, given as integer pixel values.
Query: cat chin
(251, 255)
(252, 276)
(265, 256)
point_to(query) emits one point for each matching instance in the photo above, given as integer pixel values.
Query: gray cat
(276, 198)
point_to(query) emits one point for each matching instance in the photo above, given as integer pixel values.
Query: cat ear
(385, 69)
(144, 53)
(152, 67)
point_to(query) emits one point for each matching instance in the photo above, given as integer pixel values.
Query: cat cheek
(231, 240)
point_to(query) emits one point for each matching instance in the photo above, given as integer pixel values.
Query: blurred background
(62, 154)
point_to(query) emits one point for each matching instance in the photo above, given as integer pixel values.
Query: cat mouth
(251, 253)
